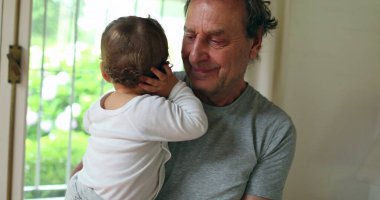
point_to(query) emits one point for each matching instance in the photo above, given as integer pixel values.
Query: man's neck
(220, 99)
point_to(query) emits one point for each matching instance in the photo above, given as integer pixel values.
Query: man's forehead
(228, 4)
(202, 18)
(234, 2)
(217, 10)
(209, 31)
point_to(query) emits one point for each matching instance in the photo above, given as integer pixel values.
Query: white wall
(330, 85)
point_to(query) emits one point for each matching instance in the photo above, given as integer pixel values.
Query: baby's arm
(179, 116)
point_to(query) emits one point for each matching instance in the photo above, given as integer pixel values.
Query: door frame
(7, 13)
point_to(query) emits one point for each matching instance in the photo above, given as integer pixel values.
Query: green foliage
(53, 160)
(39, 8)
(54, 153)
(88, 86)
(61, 88)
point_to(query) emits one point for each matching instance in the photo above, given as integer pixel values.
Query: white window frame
(8, 11)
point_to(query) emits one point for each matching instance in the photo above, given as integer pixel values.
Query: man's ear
(104, 74)
(256, 45)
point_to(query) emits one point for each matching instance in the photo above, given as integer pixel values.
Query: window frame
(8, 11)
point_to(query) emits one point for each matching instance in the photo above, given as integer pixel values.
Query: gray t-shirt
(248, 149)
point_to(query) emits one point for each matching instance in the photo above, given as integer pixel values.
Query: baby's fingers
(160, 75)
(167, 68)
(149, 84)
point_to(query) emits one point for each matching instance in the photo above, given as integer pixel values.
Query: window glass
(64, 79)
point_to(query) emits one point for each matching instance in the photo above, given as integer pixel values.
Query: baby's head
(130, 46)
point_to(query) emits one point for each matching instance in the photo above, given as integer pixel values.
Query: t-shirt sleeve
(180, 75)
(269, 175)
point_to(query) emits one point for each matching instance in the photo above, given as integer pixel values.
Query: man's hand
(161, 86)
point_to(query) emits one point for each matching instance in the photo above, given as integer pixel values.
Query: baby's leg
(72, 190)
(86, 193)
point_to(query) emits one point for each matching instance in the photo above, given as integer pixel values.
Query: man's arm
(250, 197)
(77, 168)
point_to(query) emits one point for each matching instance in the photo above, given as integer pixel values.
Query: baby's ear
(104, 74)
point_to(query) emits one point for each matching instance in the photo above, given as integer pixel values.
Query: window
(64, 80)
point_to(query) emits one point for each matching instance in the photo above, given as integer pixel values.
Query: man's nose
(199, 51)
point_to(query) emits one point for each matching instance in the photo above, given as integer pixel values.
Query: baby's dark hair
(130, 46)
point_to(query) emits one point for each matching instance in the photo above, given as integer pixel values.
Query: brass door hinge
(14, 65)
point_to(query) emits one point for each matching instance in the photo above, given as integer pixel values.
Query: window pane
(64, 79)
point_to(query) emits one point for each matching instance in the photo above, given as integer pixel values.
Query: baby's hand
(161, 86)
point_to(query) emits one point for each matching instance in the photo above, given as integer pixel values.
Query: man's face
(215, 48)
